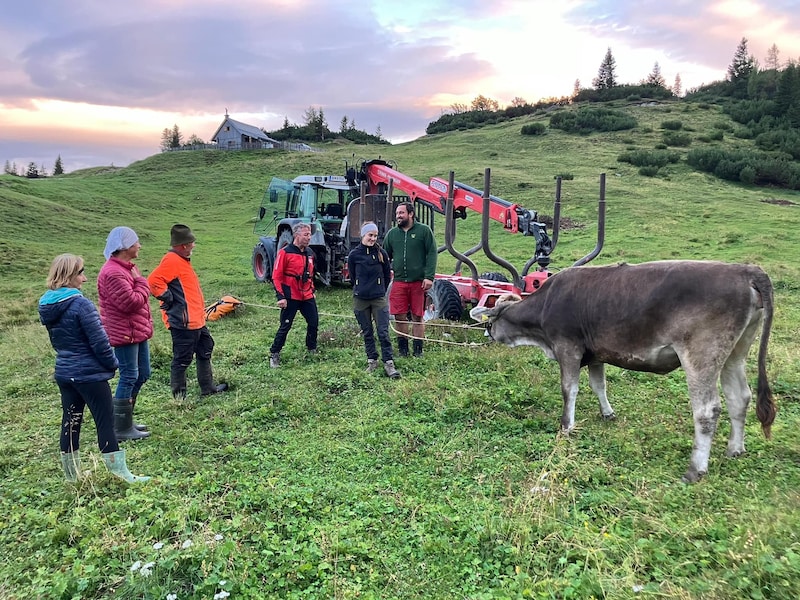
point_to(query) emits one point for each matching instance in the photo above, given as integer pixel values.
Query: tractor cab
(319, 200)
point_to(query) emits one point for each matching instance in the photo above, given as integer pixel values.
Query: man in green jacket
(412, 249)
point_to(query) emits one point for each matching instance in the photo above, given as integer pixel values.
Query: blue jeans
(134, 369)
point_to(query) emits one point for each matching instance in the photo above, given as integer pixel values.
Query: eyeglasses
(80, 272)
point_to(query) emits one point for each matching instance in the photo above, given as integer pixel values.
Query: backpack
(224, 306)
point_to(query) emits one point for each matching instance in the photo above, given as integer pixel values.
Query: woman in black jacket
(368, 265)
(84, 364)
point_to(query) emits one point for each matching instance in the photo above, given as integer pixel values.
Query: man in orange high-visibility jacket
(176, 285)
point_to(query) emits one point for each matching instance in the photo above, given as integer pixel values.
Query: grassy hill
(318, 480)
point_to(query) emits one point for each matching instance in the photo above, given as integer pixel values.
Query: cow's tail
(765, 404)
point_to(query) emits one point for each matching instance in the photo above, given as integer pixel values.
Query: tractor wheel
(262, 265)
(494, 276)
(443, 301)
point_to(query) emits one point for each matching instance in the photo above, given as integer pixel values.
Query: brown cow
(655, 317)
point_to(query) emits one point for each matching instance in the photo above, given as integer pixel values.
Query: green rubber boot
(115, 461)
(71, 461)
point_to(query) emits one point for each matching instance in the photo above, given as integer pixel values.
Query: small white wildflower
(135, 566)
(172, 597)
(187, 544)
(223, 582)
(147, 569)
(220, 596)
(158, 546)
(218, 537)
(637, 588)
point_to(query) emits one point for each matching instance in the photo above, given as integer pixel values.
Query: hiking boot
(274, 360)
(390, 369)
(372, 364)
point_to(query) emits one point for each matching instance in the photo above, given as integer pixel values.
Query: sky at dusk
(96, 82)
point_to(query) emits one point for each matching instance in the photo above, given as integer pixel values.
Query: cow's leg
(737, 397)
(734, 386)
(570, 378)
(597, 380)
(706, 406)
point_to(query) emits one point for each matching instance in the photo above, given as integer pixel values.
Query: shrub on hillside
(673, 125)
(675, 138)
(648, 171)
(649, 158)
(534, 129)
(756, 168)
(786, 140)
(715, 136)
(588, 119)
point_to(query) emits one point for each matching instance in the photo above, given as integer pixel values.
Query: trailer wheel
(494, 276)
(443, 301)
(262, 265)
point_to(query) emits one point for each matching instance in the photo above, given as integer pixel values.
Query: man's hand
(282, 303)
(427, 284)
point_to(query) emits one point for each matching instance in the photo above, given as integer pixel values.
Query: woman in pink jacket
(124, 296)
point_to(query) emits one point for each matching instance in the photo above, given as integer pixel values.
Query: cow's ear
(481, 313)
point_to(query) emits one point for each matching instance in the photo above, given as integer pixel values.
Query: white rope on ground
(392, 327)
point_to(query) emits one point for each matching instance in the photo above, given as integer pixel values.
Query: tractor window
(308, 202)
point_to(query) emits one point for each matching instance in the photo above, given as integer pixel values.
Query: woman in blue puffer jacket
(84, 364)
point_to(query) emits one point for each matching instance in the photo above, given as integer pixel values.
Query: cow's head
(489, 316)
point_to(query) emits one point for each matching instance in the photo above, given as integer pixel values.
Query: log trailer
(336, 206)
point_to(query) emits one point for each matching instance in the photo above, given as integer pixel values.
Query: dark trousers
(307, 308)
(366, 311)
(186, 343)
(97, 396)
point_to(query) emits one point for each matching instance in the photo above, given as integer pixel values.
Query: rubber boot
(123, 421)
(417, 348)
(402, 346)
(71, 461)
(177, 383)
(139, 426)
(115, 462)
(205, 377)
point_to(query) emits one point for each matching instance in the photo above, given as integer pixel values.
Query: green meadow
(318, 480)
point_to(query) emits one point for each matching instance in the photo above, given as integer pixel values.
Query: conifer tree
(655, 78)
(58, 168)
(606, 75)
(742, 64)
(677, 87)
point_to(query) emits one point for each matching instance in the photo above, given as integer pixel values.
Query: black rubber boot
(139, 426)
(417, 348)
(205, 377)
(123, 421)
(177, 383)
(402, 346)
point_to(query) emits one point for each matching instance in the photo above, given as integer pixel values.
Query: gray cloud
(278, 62)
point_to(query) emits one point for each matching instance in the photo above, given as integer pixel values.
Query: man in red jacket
(293, 278)
(183, 311)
